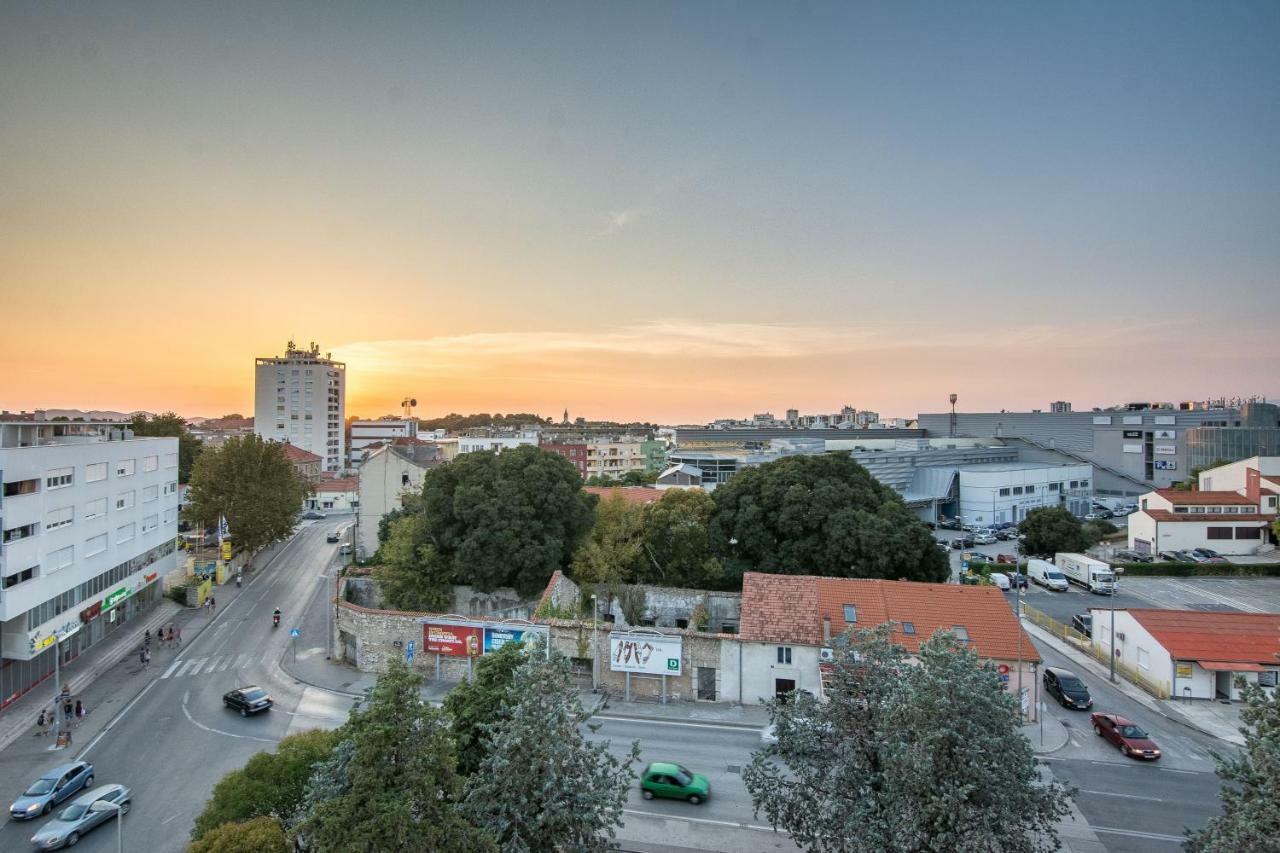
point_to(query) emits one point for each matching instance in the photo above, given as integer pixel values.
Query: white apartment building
(389, 473)
(496, 443)
(301, 398)
(89, 517)
(613, 459)
(1004, 492)
(385, 431)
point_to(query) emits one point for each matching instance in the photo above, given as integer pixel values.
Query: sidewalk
(79, 675)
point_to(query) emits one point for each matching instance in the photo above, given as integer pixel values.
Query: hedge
(1199, 570)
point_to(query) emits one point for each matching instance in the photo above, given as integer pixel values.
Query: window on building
(1084, 484)
(124, 468)
(59, 478)
(1004, 493)
(124, 500)
(1248, 532)
(850, 614)
(1017, 490)
(1197, 510)
(61, 558)
(150, 463)
(784, 654)
(908, 627)
(13, 534)
(61, 517)
(95, 545)
(124, 533)
(95, 508)
(1031, 490)
(1053, 487)
(1075, 484)
(21, 487)
(95, 471)
(1219, 532)
(150, 493)
(150, 523)
(961, 633)
(171, 460)
(20, 577)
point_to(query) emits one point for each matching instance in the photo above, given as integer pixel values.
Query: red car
(1130, 737)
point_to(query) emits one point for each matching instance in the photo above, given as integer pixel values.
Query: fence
(1158, 689)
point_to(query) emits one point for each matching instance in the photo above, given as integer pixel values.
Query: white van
(1046, 574)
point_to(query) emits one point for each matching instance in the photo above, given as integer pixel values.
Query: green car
(661, 779)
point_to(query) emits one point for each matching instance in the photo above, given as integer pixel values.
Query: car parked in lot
(1207, 555)
(961, 542)
(1083, 622)
(1176, 557)
(1009, 534)
(1017, 580)
(1001, 581)
(984, 537)
(1007, 558)
(75, 820)
(943, 546)
(945, 523)
(975, 557)
(1098, 515)
(1131, 739)
(247, 700)
(1067, 688)
(673, 782)
(313, 514)
(52, 788)
(1126, 556)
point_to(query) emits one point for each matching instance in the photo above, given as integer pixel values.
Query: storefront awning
(1228, 666)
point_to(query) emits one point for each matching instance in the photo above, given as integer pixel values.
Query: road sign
(408, 652)
(295, 633)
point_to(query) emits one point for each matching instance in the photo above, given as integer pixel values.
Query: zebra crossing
(196, 666)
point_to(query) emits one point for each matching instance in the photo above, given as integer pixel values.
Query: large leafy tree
(542, 787)
(391, 783)
(483, 701)
(675, 535)
(905, 756)
(259, 835)
(170, 424)
(505, 519)
(1250, 818)
(270, 784)
(613, 552)
(1053, 529)
(250, 483)
(820, 515)
(413, 576)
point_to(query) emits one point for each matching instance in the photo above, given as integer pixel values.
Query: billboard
(496, 638)
(453, 640)
(649, 655)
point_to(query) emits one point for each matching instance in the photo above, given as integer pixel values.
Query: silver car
(50, 789)
(79, 817)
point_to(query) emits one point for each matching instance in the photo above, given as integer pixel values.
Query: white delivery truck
(1046, 574)
(1093, 575)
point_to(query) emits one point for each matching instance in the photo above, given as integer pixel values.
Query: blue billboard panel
(496, 638)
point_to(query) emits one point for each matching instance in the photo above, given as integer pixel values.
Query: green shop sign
(114, 598)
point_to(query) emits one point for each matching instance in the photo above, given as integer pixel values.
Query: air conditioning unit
(826, 655)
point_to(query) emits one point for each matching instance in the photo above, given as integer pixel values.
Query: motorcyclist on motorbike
(275, 618)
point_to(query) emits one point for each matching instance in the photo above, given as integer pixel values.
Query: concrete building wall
(761, 670)
(385, 478)
(1185, 535)
(995, 494)
(1136, 648)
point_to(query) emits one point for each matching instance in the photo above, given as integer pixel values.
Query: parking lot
(1245, 595)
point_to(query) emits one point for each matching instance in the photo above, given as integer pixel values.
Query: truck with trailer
(1094, 575)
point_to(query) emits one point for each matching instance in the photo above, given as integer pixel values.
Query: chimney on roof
(826, 630)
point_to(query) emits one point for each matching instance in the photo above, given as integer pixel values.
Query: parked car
(1098, 515)
(332, 537)
(1128, 736)
(943, 546)
(1207, 555)
(1083, 622)
(1127, 556)
(984, 537)
(1007, 558)
(1017, 580)
(1122, 511)
(1047, 575)
(945, 523)
(344, 549)
(961, 542)
(1001, 580)
(662, 779)
(247, 700)
(971, 528)
(314, 514)
(52, 788)
(75, 820)
(1176, 557)
(974, 557)
(1067, 688)
(1009, 534)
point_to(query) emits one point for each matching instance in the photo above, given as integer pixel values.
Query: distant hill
(92, 415)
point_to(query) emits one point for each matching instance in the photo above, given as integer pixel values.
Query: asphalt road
(1135, 806)
(173, 741)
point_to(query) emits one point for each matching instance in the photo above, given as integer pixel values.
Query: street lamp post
(106, 806)
(595, 641)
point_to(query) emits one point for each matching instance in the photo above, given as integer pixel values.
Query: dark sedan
(247, 700)
(1130, 738)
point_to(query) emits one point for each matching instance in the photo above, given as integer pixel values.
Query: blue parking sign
(408, 652)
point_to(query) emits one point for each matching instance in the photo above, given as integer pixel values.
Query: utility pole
(1113, 645)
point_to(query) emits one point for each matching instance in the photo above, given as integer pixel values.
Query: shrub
(1199, 570)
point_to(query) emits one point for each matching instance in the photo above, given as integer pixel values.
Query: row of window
(1240, 532)
(60, 478)
(1052, 487)
(1214, 510)
(65, 601)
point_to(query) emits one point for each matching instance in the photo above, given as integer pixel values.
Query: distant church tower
(566, 417)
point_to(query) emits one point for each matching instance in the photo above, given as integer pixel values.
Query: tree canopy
(270, 784)
(675, 534)
(392, 782)
(496, 520)
(542, 787)
(170, 424)
(259, 835)
(905, 756)
(1053, 529)
(483, 701)
(613, 551)
(250, 483)
(1250, 818)
(819, 515)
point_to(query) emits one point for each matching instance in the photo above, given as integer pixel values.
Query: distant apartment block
(364, 434)
(300, 398)
(89, 515)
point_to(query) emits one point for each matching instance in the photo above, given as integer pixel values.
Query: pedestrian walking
(169, 636)
(80, 712)
(212, 605)
(146, 638)
(67, 710)
(146, 657)
(41, 722)
(142, 655)
(177, 632)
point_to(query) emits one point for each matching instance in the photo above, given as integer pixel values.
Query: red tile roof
(1178, 497)
(631, 494)
(786, 608)
(296, 454)
(1211, 517)
(339, 484)
(1214, 636)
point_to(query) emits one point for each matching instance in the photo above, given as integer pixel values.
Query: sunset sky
(656, 211)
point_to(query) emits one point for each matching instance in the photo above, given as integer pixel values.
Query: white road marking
(705, 820)
(168, 672)
(193, 667)
(243, 660)
(1133, 833)
(1126, 796)
(200, 725)
(170, 818)
(728, 728)
(224, 664)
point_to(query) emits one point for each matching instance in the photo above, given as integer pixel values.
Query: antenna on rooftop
(953, 416)
(407, 405)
